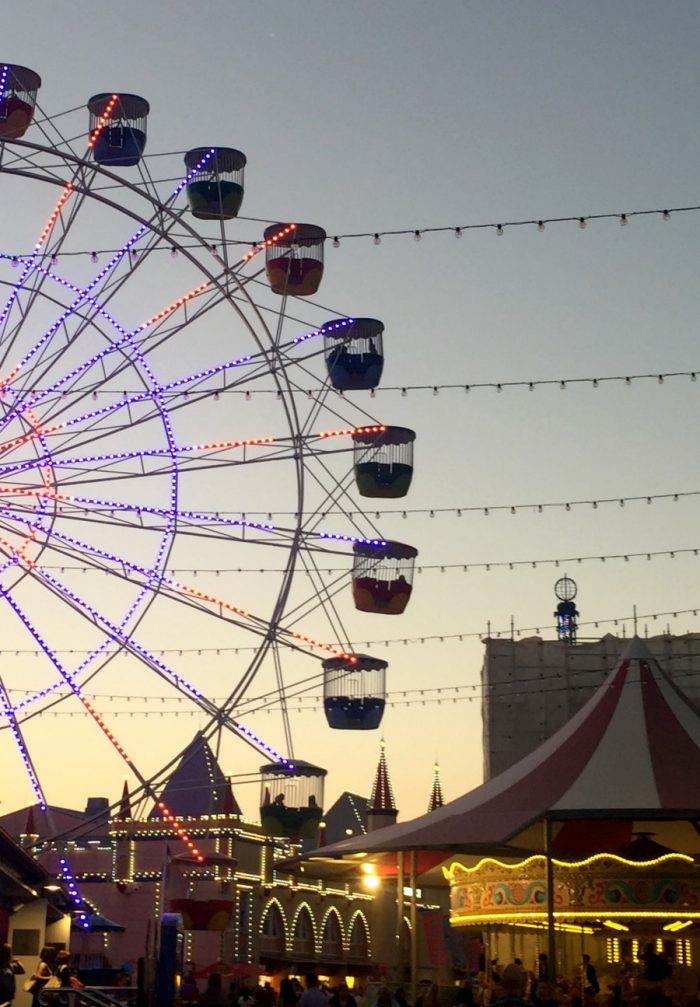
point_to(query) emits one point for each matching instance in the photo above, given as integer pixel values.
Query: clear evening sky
(373, 117)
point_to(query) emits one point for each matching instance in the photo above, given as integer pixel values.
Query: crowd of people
(648, 982)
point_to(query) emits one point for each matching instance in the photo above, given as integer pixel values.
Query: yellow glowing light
(527, 913)
(350, 982)
(370, 881)
(368, 869)
(614, 925)
(457, 868)
(678, 925)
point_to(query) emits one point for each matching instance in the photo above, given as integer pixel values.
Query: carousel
(590, 845)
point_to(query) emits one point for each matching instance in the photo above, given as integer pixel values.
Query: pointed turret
(436, 798)
(30, 835)
(381, 809)
(197, 786)
(230, 804)
(124, 813)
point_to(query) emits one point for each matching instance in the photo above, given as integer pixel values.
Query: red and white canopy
(628, 761)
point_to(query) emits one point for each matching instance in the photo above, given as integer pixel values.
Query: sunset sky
(371, 118)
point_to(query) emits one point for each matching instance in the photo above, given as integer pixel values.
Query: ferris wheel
(182, 454)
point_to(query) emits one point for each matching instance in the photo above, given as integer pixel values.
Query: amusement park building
(533, 687)
(587, 843)
(238, 909)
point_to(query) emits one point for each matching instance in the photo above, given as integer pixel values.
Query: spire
(125, 804)
(30, 835)
(382, 808)
(230, 804)
(436, 798)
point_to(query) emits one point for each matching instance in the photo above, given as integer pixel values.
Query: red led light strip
(174, 824)
(262, 245)
(102, 122)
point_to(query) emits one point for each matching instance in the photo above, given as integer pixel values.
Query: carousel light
(614, 925)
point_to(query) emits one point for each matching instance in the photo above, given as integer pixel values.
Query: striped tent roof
(628, 761)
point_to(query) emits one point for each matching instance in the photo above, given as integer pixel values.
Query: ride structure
(149, 466)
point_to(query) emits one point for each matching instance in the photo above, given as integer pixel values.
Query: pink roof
(632, 752)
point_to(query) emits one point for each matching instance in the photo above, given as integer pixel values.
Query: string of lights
(659, 377)
(511, 631)
(483, 509)
(425, 567)
(436, 695)
(556, 682)
(376, 235)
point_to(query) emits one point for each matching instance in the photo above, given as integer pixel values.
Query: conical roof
(631, 754)
(382, 798)
(197, 786)
(436, 799)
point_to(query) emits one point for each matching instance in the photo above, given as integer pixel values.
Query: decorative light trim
(458, 868)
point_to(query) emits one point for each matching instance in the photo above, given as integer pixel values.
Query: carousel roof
(628, 761)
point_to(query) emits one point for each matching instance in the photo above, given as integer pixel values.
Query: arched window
(272, 930)
(332, 941)
(358, 945)
(304, 934)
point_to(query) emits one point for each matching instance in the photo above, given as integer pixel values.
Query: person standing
(589, 976)
(312, 996)
(7, 976)
(42, 973)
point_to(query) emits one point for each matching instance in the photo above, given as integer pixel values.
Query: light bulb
(93, 257)
(336, 242)
(666, 215)
(499, 230)
(623, 219)
(417, 235)
(458, 232)
(173, 252)
(377, 240)
(582, 222)
(540, 225)
(15, 261)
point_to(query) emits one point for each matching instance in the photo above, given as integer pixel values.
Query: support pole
(551, 945)
(414, 928)
(400, 885)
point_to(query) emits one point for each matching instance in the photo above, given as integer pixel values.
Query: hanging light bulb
(15, 262)
(54, 259)
(213, 249)
(173, 252)
(93, 257)
(540, 225)
(623, 219)
(458, 232)
(377, 239)
(336, 242)
(417, 235)
(582, 223)
(499, 230)
(665, 215)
